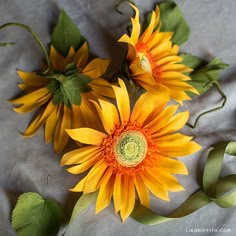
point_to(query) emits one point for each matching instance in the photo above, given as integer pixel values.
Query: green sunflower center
(130, 148)
(145, 63)
(67, 87)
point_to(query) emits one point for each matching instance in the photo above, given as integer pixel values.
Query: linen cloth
(31, 165)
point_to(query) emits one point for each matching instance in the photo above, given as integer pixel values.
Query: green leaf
(66, 34)
(36, 216)
(74, 86)
(204, 74)
(172, 20)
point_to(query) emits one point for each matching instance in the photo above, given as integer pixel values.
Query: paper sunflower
(63, 95)
(137, 151)
(152, 58)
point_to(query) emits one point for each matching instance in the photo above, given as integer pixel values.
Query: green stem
(217, 85)
(6, 44)
(36, 37)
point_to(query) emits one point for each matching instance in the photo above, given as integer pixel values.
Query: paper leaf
(34, 215)
(66, 34)
(74, 86)
(204, 73)
(172, 20)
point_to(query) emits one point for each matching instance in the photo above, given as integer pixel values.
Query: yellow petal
(162, 118)
(105, 193)
(176, 67)
(175, 123)
(102, 88)
(56, 59)
(142, 191)
(64, 122)
(77, 117)
(162, 50)
(135, 25)
(50, 125)
(110, 116)
(167, 180)
(123, 103)
(96, 176)
(173, 75)
(31, 97)
(128, 205)
(78, 169)
(27, 107)
(80, 186)
(148, 102)
(32, 78)
(173, 140)
(181, 150)
(126, 39)
(39, 120)
(96, 67)
(117, 193)
(82, 55)
(80, 155)
(171, 165)
(157, 189)
(170, 59)
(149, 30)
(87, 135)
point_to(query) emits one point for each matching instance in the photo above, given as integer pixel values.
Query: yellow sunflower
(152, 58)
(63, 95)
(136, 152)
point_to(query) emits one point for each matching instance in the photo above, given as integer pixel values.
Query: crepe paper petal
(31, 209)
(66, 34)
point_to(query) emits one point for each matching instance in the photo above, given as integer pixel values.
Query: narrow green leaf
(204, 73)
(172, 20)
(66, 34)
(34, 215)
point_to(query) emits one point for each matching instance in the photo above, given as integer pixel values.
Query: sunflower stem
(224, 97)
(7, 44)
(36, 37)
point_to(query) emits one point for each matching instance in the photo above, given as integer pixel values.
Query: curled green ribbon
(221, 191)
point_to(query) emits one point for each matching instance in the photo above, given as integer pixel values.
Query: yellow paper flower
(152, 58)
(136, 152)
(63, 95)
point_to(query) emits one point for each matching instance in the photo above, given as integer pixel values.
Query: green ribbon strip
(215, 189)
(221, 191)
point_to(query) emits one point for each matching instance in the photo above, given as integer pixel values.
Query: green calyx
(68, 86)
(130, 148)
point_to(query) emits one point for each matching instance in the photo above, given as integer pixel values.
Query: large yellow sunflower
(152, 58)
(63, 95)
(136, 152)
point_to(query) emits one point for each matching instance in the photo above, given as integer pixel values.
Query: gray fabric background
(30, 165)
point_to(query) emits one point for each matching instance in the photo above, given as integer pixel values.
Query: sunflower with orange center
(62, 95)
(137, 151)
(153, 59)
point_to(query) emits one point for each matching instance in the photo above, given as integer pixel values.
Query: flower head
(153, 59)
(136, 152)
(63, 95)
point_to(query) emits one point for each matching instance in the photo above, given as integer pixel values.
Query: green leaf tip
(172, 20)
(34, 215)
(66, 34)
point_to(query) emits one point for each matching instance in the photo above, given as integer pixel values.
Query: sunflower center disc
(130, 148)
(144, 63)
